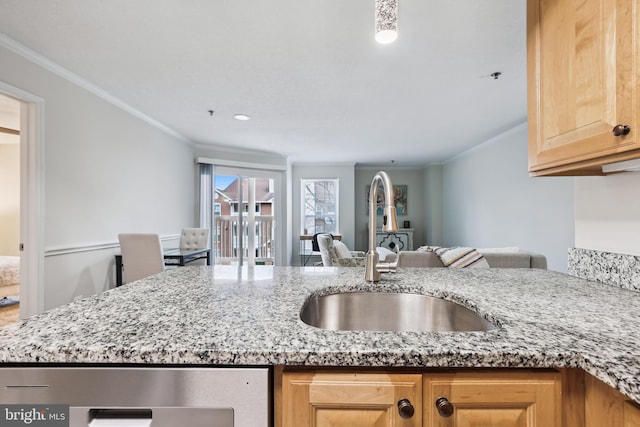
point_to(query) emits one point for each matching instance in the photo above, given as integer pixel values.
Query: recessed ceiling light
(241, 117)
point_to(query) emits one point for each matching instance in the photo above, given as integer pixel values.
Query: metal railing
(227, 237)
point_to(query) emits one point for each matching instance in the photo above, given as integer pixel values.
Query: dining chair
(141, 255)
(195, 238)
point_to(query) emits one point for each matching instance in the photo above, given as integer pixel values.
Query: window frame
(304, 182)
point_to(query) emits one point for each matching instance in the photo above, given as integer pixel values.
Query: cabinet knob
(444, 407)
(405, 408)
(620, 130)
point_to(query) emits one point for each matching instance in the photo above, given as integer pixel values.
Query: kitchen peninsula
(250, 317)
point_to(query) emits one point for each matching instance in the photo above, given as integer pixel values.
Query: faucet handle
(387, 267)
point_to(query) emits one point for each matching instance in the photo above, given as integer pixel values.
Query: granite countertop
(231, 316)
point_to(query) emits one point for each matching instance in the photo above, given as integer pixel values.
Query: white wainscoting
(79, 271)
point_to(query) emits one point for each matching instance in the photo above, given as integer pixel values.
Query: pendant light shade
(386, 21)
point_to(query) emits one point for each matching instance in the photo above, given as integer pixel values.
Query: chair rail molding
(96, 246)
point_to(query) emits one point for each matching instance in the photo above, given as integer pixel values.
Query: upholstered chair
(141, 255)
(195, 238)
(334, 253)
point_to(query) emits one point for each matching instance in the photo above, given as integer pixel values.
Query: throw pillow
(461, 257)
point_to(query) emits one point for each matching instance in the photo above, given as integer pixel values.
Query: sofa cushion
(418, 259)
(521, 259)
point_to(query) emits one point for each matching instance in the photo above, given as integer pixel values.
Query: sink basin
(375, 311)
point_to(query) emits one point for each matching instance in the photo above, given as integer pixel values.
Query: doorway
(9, 210)
(28, 248)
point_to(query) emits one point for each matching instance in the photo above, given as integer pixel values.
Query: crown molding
(519, 126)
(57, 69)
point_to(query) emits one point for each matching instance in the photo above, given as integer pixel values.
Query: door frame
(31, 199)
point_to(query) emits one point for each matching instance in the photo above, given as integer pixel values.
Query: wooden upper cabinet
(582, 65)
(501, 399)
(350, 400)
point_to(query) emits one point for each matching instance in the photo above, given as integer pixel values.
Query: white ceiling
(308, 72)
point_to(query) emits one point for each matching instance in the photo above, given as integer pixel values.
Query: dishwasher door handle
(129, 417)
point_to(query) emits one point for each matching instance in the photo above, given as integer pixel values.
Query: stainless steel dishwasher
(134, 397)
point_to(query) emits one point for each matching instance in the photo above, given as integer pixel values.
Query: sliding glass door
(244, 220)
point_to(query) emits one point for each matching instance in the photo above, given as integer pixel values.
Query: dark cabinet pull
(405, 408)
(620, 130)
(444, 407)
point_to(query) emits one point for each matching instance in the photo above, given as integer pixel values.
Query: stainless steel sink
(376, 311)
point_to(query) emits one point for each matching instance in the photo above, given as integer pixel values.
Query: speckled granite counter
(615, 269)
(226, 316)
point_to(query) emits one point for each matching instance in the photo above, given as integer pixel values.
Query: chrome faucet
(389, 225)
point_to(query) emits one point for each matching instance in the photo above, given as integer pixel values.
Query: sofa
(496, 258)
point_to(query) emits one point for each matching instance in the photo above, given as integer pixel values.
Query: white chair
(141, 255)
(195, 238)
(337, 254)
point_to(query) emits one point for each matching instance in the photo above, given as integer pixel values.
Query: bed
(9, 276)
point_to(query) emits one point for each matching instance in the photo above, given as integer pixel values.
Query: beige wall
(9, 194)
(106, 171)
(416, 193)
(345, 175)
(490, 201)
(608, 213)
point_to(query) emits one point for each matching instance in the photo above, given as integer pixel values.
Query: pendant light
(386, 21)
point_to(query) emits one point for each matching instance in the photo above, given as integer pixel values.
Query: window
(234, 209)
(319, 206)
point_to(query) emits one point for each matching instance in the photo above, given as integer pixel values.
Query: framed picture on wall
(400, 199)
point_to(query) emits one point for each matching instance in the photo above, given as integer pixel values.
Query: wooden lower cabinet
(349, 400)
(467, 398)
(496, 399)
(605, 406)
(631, 414)
(371, 399)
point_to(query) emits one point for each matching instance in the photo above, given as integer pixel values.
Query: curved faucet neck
(389, 224)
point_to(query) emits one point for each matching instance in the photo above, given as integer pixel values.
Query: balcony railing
(227, 236)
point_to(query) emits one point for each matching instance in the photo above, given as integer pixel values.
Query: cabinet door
(349, 399)
(582, 81)
(631, 415)
(497, 400)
